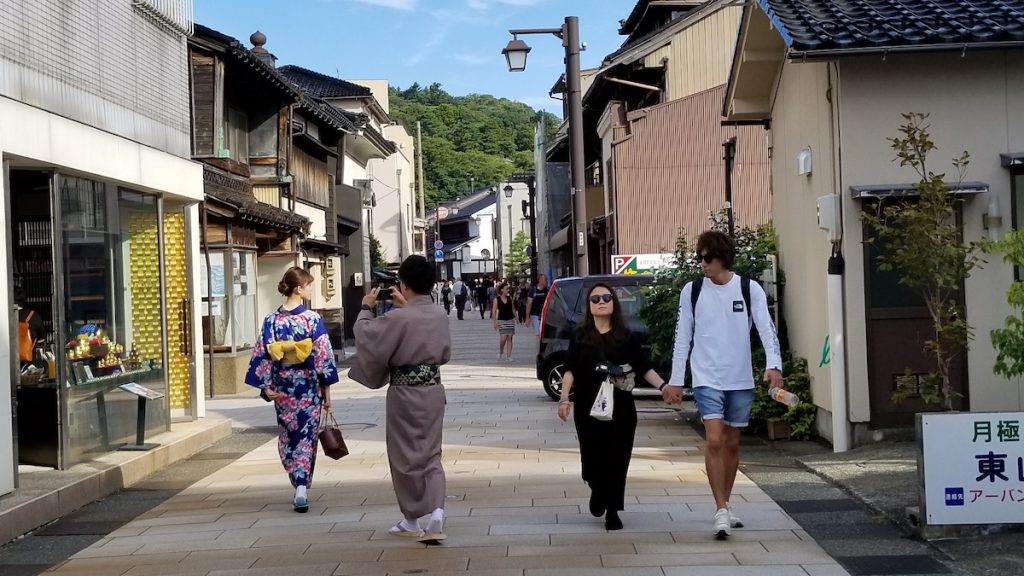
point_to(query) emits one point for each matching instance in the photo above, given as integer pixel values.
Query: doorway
(898, 324)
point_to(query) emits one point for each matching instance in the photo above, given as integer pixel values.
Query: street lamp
(515, 55)
(508, 190)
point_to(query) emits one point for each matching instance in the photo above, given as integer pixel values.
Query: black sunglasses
(596, 298)
(707, 257)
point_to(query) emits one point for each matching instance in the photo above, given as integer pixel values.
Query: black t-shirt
(538, 295)
(584, 355)
(505, 309)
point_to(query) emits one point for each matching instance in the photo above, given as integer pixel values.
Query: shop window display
(112, 312)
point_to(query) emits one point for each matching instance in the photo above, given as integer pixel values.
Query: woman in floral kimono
(293, 366)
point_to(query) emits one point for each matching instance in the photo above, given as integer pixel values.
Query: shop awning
(910, 190)
(559, 239)
(324, 247)
(454, 246)
(237, 194)
(1011, 159)
(348, 225)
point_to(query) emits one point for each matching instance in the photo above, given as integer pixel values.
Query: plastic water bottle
(784, 396)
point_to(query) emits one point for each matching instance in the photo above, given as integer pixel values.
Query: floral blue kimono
(298, 381)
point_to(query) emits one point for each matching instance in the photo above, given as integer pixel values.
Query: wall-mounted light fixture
(803, 162)
(993, 219)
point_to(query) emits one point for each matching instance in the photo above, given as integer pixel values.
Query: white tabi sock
(409, 525)
(437, 515)
(300, 492)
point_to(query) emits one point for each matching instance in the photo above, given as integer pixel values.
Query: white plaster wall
(7, 463)
(317, 218)
(394, 214)
(518, 219)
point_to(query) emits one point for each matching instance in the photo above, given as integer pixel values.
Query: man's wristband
(560, 402)
(662, 387)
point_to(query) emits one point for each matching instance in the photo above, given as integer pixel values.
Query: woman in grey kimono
(405, 348)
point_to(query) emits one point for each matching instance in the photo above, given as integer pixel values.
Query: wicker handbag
(330, 436)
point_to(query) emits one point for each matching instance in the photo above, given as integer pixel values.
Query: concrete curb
(46, 496)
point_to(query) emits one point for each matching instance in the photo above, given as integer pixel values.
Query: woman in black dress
(605, 446)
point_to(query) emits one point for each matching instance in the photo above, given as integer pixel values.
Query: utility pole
(423, 205)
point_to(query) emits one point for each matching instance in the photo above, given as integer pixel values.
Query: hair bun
(282, 287)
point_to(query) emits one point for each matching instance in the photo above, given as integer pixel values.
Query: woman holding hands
(606, 447)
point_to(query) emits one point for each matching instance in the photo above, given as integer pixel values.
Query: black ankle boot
(612, 521)
(596, 507)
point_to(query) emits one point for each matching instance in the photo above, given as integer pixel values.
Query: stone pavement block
(574, 550)
(445, 551)
(735, 571)
(689, 559)
(825, 570)
(337, 555)
(220, 524)
(806, 556)
(186, 567)
(710, 546)
(308, 570)
(426, 565)
(595, 571)
(739, 535)
(109, 551)
(541, 561)
(602, 537)
(188, 546)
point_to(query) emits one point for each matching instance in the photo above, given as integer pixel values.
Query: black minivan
(563, 311)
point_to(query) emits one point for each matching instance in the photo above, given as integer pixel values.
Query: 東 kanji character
(991, 465)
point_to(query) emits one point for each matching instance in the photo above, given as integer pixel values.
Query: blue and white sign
(438, 256)
(973, 467)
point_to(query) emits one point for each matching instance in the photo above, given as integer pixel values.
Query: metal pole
(578, 240)
(730, 155)
(423, 205)
(532, 191)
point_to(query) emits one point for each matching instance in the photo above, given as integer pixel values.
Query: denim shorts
(732, 407)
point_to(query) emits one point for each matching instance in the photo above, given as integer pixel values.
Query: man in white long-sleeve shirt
(717, 322)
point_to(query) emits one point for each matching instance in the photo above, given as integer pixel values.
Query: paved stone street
(516, 504)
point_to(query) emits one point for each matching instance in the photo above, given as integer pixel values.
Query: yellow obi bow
(288, 352)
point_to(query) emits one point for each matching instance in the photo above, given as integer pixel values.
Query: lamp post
(508, 196)
(515, 56)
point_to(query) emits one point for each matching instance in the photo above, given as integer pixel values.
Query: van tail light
(544, 311)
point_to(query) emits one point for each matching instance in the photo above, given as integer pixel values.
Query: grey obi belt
(416, 375)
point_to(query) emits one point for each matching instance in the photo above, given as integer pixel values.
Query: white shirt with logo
(721, 341)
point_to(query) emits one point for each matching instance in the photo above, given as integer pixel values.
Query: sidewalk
(44, 494)
(516, 504)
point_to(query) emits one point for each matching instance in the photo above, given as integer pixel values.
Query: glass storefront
(103, 293)
(230, 313)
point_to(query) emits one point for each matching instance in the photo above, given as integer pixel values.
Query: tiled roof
(838, 25)
(321, 85)
(236, 48)
(237, 194)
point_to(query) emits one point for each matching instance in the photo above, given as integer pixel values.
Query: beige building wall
(801, 117)
(699, 57)
(990, 86)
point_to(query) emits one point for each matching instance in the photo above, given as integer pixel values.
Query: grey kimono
(404, 348)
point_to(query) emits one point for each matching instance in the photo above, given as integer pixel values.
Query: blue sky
(455, 42)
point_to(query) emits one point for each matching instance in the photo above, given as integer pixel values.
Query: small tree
(517, 263)
(378, 256)
(1009, 340)
(923, 243)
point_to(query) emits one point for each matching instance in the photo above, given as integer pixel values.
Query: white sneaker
(501, 356)
(734, 520)
(722, 528)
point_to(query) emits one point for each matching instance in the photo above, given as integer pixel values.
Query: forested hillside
(475, 136)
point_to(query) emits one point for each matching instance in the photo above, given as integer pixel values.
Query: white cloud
(474, 59)
(396, 4)
(439, 36)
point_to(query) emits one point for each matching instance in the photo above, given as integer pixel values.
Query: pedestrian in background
(522, 294)
(446, 297)
(461, 291)
(481, 296)
(293, 366)
(715, 314)
(504, 317)
(406, 348)
(535, 303)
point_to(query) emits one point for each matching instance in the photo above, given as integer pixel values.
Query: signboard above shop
(973, 468)
(633, 264)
